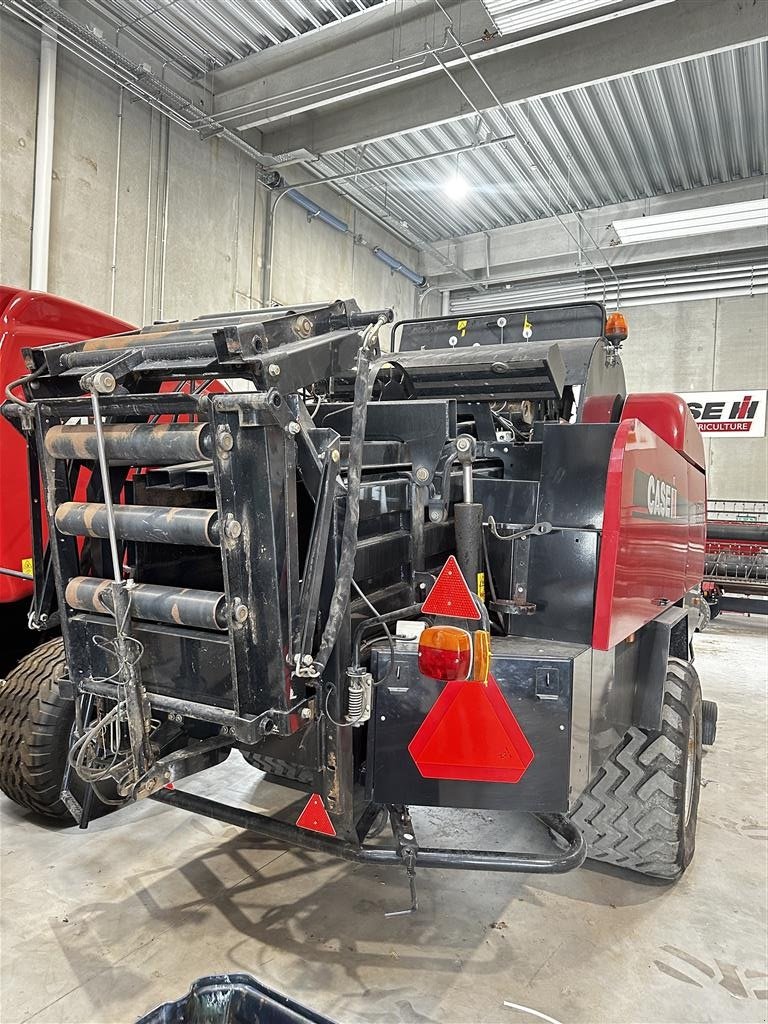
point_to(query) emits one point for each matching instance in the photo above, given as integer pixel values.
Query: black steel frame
(567, 859)
(264, 456)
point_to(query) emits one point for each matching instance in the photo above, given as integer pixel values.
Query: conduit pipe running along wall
(41, 204)
(116, 212)
(399, 267)
(315, 211)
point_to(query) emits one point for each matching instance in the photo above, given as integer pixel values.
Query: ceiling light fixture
(702, 221)
(456, 188)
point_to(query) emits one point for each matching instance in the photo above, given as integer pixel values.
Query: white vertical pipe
(164, 244)
(41, 206)
(115, 217)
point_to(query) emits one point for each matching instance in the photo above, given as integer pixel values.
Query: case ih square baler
(447, 575)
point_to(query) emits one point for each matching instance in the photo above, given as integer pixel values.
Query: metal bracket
(199, 755)
(104, 378)
(521, 552)
(407, 850)
(421, 426)
(520, 565)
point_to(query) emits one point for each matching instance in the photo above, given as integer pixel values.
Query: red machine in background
(28, 320)
(736, 566)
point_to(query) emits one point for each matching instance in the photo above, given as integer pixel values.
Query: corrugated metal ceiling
(678, 127)
(203, 35)
(519, 15)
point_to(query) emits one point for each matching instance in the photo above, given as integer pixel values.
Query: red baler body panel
(27, 320)
(654, 526)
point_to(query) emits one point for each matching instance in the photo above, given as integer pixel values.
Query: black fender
(661, 639)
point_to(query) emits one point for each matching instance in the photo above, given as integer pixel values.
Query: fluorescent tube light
(702, 221)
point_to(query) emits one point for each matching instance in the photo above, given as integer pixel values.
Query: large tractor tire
(35, 727)
(705, 616)
(640, 811)
(708, 722)
(279, 771)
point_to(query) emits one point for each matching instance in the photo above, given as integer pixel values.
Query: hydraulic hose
(367, 369)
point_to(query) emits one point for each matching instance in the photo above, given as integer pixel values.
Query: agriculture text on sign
(729, 413)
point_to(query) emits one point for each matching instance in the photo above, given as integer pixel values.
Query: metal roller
(132, 444)
(733, 566)
(158, 524)
(156, 334)
(198, 609)
(157, 352)
(754, 533)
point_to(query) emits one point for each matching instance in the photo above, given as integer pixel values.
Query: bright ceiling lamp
(701, 221)
(456, 188)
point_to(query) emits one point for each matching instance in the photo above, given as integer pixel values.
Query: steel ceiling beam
(649, 38)
(540, 248)
(390, 43)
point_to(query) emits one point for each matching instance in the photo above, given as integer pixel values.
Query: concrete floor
(98, 927)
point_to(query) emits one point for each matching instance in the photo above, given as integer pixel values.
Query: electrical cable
(18, 383)
(380, 619)
(511, 427)
(339, 725)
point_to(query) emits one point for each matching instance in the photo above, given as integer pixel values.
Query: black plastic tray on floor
(233, 999)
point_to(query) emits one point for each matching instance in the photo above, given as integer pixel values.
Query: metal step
(172, 476)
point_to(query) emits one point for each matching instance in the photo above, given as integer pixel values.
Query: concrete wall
(190, 214)
(311, 260)
(714, 344)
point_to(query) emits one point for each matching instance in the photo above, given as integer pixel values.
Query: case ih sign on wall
(729, 413)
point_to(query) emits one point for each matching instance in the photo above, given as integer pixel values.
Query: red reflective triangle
(315, 818)
(450, 595)
(470, 734)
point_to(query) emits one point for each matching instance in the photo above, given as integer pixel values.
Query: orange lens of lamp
(616, 327)
(481, 662)
(445, 653)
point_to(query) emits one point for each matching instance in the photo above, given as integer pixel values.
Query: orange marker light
(616, 327)
(481, 663)
(445, 653)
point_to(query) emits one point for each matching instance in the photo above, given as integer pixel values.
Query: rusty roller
(157, 524)
(198, 609)
(132, 444)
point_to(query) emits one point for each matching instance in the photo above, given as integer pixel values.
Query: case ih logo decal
(729, 413)
(653, 497)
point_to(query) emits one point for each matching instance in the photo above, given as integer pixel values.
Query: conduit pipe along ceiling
(702, 221)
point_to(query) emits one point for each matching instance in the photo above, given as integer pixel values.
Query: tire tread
(31, 715)
(631, 813)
